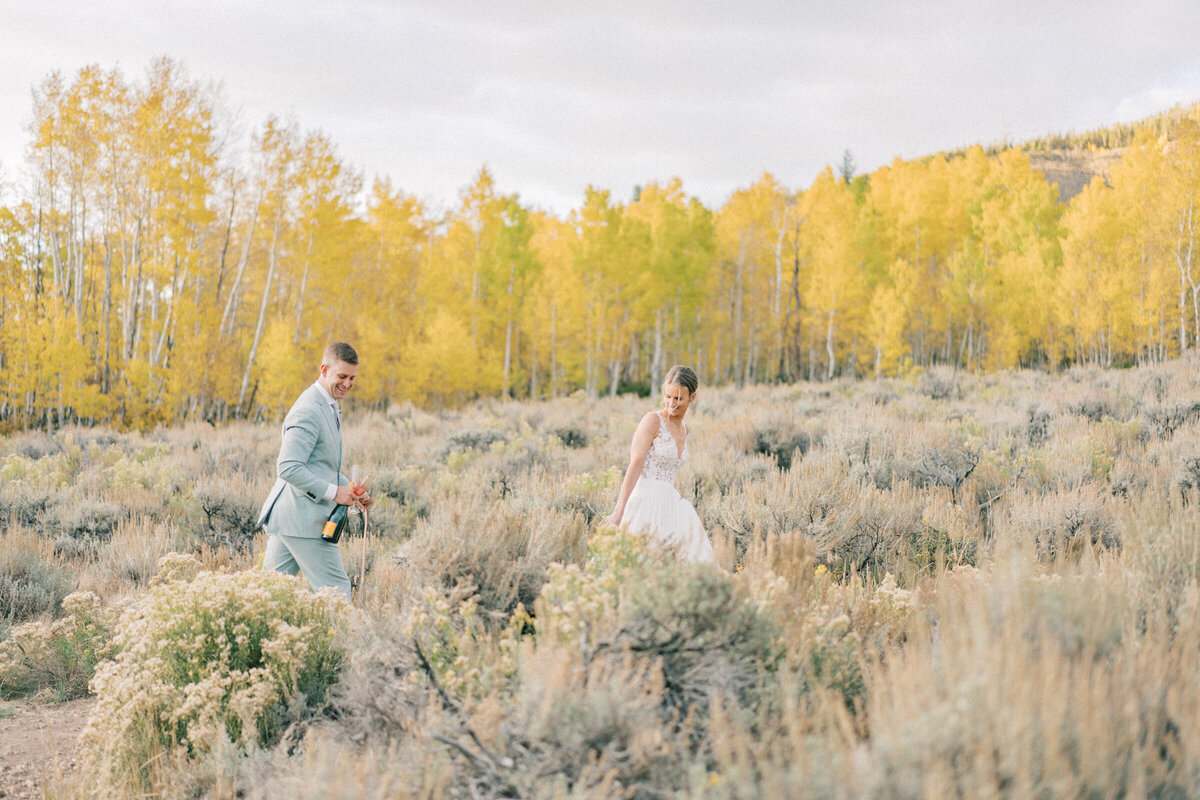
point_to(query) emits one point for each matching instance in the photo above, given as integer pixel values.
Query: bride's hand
(612, 520)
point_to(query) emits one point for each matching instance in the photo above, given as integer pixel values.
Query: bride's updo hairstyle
(680, 375)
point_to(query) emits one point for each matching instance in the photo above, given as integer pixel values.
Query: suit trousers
(320, 561)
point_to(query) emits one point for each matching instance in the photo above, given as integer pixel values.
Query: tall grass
(943, 586)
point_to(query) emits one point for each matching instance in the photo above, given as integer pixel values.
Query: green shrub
(1064, 524)
(705, 637)
(1037, 425)
(938, 383)
(1095, 407)
(571, 436)
(92, 520)
(220, 659)
(688, 620)
(474, 439)
(60, 656)
(26, 503)
(29, 585)
(229, 512)
(781, 442)
(1163, 419)
(500, 551)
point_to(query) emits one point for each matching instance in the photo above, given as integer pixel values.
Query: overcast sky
(554, 96)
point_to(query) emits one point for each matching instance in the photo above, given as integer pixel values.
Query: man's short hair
(339, 351)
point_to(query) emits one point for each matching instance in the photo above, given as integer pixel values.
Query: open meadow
(940, 585)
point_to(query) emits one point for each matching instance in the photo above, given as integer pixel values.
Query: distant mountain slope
(1074, 169)
(1072, 159)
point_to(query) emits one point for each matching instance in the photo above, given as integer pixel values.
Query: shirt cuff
(331, 492)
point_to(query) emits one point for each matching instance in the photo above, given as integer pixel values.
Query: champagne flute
(358, 479)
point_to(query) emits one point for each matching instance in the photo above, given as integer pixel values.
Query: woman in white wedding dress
(649, 503)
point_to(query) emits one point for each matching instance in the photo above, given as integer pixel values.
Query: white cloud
(556, 96)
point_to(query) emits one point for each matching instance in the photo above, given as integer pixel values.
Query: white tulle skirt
(656, 510)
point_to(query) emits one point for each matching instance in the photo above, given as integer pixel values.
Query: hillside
(1074, 169)
(1072, 159)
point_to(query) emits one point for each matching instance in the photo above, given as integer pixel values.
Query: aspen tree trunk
(262, 309)
(614, 362)
(553, 351)
(303, 289)
(590, 369)
(106, 379)
(56, 258)
(534, 389)
(133, 296)
(231, 303)
(78, 281)
(506, 389)
(37, 260)
(829, 348)
(153, 291)
(508, 337)
(737, 316)
(717, 360)
(749, 374)
(796, 305)
(225, 246)
(656, 362)
(1183, 331)
(1183, 256)
(168, 317)
(777, 305)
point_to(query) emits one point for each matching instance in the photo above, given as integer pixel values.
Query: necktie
(337, 415)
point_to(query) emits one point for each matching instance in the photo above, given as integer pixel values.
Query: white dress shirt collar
(325, 392)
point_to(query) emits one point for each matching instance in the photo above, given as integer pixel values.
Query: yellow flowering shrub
(218, 659)
(58, 656)
(468, 660)
(582, 600)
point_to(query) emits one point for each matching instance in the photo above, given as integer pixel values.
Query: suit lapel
(331, 422)
(326, 411)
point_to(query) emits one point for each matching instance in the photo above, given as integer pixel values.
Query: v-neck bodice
(665, 456)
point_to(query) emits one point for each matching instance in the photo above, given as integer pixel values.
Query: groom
(310, 481)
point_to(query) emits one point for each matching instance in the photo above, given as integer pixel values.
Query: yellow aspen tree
(1160, 299)
(515, 266)
(173, 139)
(668, 287)
(1093, 295)
(1180, 196)
(602, 261)
(752, 277)
(836, 290)
(554, 321)
(393, 307)
(1014, 240)
(276, 151)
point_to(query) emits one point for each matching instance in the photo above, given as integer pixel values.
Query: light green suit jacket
(310, 458)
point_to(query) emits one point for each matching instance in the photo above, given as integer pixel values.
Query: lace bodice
(664, 459)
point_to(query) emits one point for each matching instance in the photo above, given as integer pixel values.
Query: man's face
(338, 378)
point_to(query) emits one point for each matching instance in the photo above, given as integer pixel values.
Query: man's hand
(344, 495)
(362, 498)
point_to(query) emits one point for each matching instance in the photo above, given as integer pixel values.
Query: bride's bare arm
(643, 437)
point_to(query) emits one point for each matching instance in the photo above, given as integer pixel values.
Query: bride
(649, 503)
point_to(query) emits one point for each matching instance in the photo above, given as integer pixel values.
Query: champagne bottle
(335, 524)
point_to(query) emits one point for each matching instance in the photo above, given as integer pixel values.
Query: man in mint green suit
(310, 482)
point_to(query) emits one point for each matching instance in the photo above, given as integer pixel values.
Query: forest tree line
(159, 265)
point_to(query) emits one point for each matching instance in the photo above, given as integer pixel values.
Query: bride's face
(676, 399)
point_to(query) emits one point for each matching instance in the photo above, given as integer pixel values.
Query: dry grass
(950, 586)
